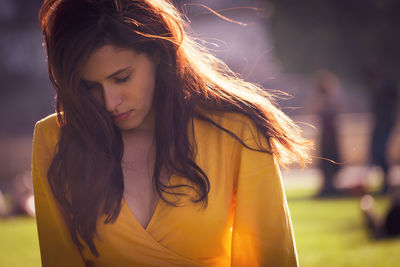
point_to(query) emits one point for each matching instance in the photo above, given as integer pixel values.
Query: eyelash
(122, 80)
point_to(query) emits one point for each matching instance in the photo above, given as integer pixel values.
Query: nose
(112, 99)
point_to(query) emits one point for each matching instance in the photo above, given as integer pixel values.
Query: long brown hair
(86, 175)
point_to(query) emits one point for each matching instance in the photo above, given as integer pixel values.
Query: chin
(127, 127)
(130, 124)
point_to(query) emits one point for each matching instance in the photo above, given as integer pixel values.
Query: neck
(145, 128)
(138, 134)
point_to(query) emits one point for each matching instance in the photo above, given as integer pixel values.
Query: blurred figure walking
(383, 94)
(325, 103)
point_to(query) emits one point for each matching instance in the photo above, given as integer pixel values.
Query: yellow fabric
(246, 222)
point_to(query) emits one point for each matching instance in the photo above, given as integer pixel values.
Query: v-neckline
(136, 221)
(155, 212)
(146, 232)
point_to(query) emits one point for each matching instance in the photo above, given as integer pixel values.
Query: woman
(159, 155)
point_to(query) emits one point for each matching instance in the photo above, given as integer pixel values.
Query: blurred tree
(341, 35)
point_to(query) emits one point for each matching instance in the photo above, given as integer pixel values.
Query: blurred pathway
(348, 176)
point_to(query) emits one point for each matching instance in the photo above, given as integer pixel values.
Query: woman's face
(123, 80)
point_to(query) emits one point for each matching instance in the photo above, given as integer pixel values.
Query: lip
(121, 116)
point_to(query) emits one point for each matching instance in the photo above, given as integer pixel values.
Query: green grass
(328, 233)
(331, 233)
(19, 245)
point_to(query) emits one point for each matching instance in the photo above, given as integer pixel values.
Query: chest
(138, 168)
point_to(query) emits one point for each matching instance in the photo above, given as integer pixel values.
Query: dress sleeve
(262, 232)
(56, 246)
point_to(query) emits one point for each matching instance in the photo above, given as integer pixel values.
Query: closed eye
(122, 80)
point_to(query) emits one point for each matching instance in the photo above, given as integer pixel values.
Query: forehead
(106, 60)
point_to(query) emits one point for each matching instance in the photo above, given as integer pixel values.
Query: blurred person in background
(325, 104)
(22, 195)
(158, 155)
(382, 226)
(19, 198)
(3, 206)
(383, 93)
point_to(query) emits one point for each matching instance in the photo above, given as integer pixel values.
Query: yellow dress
(246, 222)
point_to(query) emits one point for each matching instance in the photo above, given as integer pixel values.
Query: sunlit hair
(86, 175)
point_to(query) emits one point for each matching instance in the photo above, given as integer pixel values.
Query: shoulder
(47, 131)
(235, 124)
(45, 139)
(48, 122)
(232, 121)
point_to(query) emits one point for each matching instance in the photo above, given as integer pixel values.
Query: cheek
(150, 94)
(147, 91)
(150, 91)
